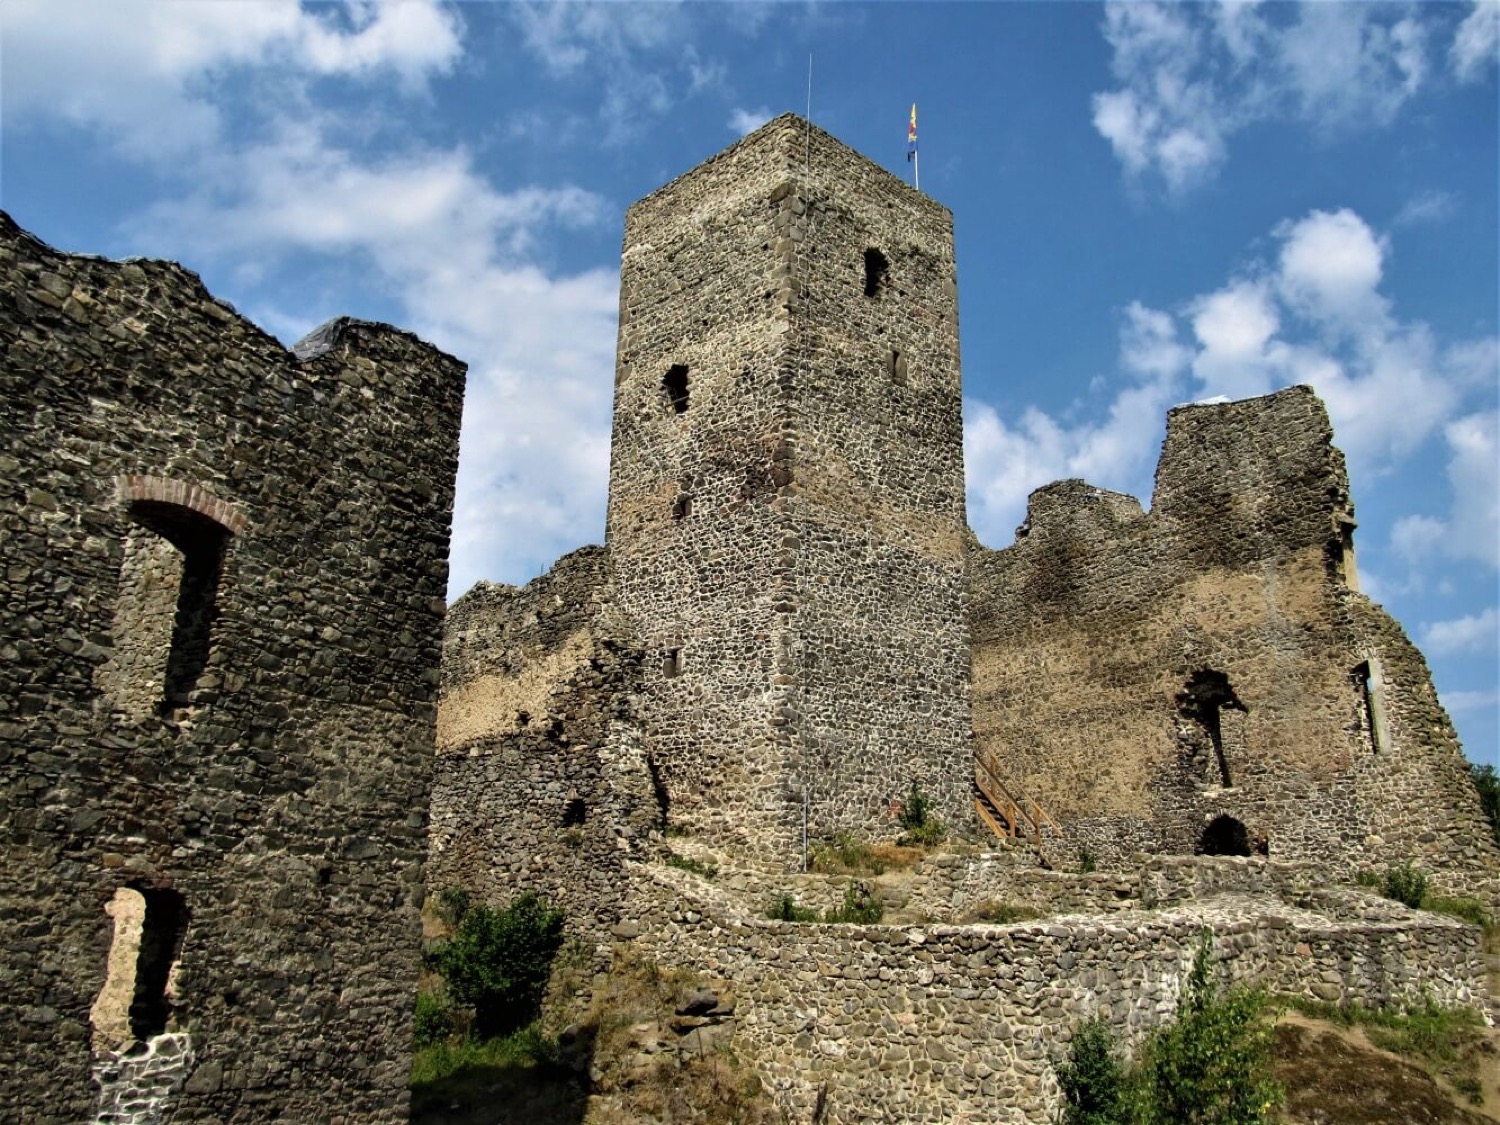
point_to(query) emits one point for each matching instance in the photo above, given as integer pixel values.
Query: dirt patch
(1335, 1076)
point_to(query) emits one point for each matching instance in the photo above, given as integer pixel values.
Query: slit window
(682, 507)
(671, 663)
(877, 272)
(675, 384)
(136, 1001)
(166, 608)
(897, 368)
(1367, 683)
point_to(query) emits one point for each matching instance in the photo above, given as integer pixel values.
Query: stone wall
(1144, 674)
(942, 1023)
(541, 782)
(786, 518)
(223, 580)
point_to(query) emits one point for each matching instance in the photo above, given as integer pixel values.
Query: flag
(911, 136)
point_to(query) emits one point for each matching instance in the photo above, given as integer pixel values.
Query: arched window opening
(167, 605)
(877, 272)
(682, 507)
(574, 812)
(1203, 701)
(675, 384)
(1224, 835)
(671, 663)
(137, 999)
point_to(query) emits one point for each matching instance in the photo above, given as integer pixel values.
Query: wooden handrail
(999, 795)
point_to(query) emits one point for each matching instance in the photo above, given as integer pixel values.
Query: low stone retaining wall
(944, 1023)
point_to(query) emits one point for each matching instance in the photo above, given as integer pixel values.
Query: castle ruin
(224, 574)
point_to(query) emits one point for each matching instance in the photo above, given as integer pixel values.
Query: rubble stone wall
(786, 520)
(252, 737)
(955, 1023)
(1143, 674)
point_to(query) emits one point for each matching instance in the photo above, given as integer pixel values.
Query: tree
(499, 961)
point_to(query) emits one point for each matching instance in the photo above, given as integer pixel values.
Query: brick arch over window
(166, 490)
(173, 554)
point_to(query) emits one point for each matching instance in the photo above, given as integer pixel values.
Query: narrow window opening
(1367, 685)
(136, 1001)
(897, 368)
(877, 272)
(1224, 835)
(671, 663)
(574, 812)
(166, 608)
(1203, 701)
(682, 507)
(1348, 568)
(675, 384)
(659, 791)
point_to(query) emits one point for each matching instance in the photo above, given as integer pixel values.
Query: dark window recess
(659, 790)
(574, 812)
(897, 368)
(671, 663)
(877, 272)
(161, 942)
(1364, 678)
(168, 602)
(675, 383)
(1224, 836)
(1203, 700)
(682, 507)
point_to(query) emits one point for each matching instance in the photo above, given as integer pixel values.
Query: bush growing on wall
(917, 819)
(1209, 1066)
(498, 961)
(1487, 782)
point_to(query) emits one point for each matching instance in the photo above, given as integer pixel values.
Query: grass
(688, 863)
(1001, 912)
(845, 854)
(859, 907)
(1445, 1041)
(1408, 885)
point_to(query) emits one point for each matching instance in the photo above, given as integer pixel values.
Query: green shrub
(1487, 782)
(921, 827)
(1406, 884)
(498, 962)
(845, 852)
(859, 907)
(1211, 1065)
(688, 863)
(1087, 864)
(1466, 909)
(1095, 1087)
(433, 1019)
(785, 909)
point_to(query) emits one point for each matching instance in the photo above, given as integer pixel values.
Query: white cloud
(1191, 76)
(141, 73)
(1476, 632)
(744, 121)
(1314, 314)
(1476, 45)
(1461, 702)
(1426, 207)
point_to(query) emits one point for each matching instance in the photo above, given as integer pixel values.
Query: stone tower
(786, 518)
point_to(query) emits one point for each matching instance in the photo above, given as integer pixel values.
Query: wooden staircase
(1006, 811)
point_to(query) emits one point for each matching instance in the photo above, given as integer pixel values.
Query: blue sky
(1154, 204)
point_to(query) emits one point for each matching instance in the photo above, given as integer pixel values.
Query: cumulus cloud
(140, 72)
(744, 121)
(1476, 632)
(1312, 311)
(1476, 45)
(1191, 76)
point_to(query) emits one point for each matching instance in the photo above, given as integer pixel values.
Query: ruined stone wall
(955, 1023)
(224, 568)
(541, 784)
(1144, 674)
(786, 495)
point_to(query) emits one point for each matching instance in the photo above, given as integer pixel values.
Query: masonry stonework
(786, 519)
(224, 567)
(1152, 678)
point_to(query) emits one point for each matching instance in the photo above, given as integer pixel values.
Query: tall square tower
(786, 516)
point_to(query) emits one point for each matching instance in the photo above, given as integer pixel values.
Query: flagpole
(916, 170)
